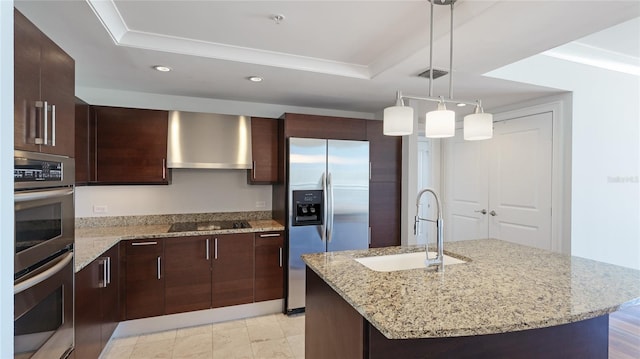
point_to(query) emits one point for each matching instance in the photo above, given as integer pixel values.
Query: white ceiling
(343, 55)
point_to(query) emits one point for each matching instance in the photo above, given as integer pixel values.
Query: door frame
(560, 169)
(561, 108)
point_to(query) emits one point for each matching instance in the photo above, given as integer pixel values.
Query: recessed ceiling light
(460, 104)
(255, 78)
(277, 18)
(162, 68)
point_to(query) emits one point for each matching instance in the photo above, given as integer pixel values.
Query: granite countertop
(91, 242)
(504, 287)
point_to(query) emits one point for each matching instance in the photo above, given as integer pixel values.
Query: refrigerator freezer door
(348, 195)
(307, 166)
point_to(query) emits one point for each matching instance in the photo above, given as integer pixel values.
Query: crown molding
(109, 15)
(594, 56)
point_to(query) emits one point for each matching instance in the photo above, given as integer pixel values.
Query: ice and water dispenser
(308, 209)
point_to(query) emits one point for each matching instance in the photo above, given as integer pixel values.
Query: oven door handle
(30, 196)
(22, 286)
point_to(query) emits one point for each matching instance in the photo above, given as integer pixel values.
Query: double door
(501, 188)
(335, 175)
(97, 304)
(174, 275)
(119, 145)
(44, 88)
(205, 272)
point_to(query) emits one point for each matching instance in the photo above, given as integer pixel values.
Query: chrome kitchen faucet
(439, 260)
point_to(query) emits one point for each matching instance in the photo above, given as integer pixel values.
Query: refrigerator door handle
(323, 235)
(330, 209)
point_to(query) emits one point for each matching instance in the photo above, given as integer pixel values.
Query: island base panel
(334, 329)
(584, 339)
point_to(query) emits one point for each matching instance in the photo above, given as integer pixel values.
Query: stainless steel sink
(396, 262)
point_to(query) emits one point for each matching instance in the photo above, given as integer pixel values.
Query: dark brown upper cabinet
(264, 151)
(44, 86)
(123, 145)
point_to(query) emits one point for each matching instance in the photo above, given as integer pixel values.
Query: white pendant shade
(478, 126)
(440, 123)
(398, 121)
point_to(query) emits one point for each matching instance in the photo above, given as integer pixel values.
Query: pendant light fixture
(441, 122)
(398, 119)
(478, 125)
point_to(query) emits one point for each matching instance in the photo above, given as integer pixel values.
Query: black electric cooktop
(207, 226)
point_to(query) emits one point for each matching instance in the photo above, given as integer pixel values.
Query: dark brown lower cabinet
(182, 274)
(232, 279)
(96, 304)
(269, 274)
(144, 283)
(187, 273)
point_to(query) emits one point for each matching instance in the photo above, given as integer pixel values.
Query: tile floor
(269, 337)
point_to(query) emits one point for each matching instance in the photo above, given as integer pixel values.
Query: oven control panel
(35, 170)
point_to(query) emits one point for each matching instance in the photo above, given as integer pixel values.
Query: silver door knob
(483, 211)
(493, 213)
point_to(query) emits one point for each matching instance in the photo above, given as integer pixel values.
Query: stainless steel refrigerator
(328, 204)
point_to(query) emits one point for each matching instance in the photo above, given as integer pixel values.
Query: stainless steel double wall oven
(43, 256)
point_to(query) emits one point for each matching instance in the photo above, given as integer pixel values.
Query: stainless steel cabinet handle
(143, 243)
(254, 169)
(159, 268)
(38, 139)
(207, 249)
(483, 211)
(103, 281)
(215, 248)
(280, 256)
(164, 168)
(94, 177)
(493, 213)
(53, 125)
(270, 235)
(46, 123)
(108, 271)
(105, 269)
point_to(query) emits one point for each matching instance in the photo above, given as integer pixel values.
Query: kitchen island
(507, 300)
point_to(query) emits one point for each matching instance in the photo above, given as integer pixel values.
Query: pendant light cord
(451, 56)
(431, 50)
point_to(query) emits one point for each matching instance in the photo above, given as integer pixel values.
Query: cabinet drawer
(144, 247)
(276, 235)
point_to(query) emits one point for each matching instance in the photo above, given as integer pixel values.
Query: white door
(427, 207)
(501, 188)
(520, 181)
(466, 189)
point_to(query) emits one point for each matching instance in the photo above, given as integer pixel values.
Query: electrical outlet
(100, 208)
(261, 204)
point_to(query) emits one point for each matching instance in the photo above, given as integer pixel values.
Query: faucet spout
(439, 260)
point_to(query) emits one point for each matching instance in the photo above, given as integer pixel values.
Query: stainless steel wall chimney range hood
(208, 141)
